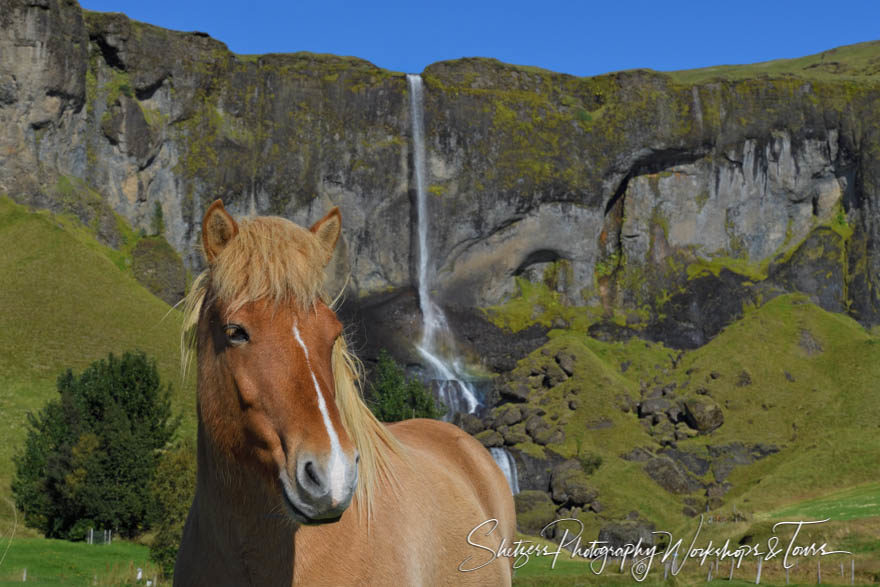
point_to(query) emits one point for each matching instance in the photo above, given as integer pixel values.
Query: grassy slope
(857, 62)
(64, 303)
(825, 421)
(58, 562)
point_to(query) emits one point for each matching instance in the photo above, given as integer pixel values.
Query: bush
(174, 487)
(90, 455)
(396, 397)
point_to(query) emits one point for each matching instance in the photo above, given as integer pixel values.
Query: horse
(298, 482)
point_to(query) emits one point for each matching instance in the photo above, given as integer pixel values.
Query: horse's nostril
(357, 459)
(312, 474)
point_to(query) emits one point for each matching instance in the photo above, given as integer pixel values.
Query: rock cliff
(667, 201)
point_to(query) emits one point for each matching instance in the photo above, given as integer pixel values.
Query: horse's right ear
(218, 228)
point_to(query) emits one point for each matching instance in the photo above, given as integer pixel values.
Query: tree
(90, 455)
(174, 487)
(397, 397)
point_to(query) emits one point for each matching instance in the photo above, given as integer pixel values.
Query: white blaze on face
(336, 468)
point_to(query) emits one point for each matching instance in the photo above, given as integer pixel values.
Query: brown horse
(298, 483)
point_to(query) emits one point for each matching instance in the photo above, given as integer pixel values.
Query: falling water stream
(437, 344)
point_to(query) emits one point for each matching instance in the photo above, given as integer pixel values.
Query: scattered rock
(490, 438)
(727, 457)
(694, 463)
(469, 423)
(620, 533)
(508, 415)
(545, 436)
(553, 375)
(610, 332)
(600, 424)
(703, 414)
(743, 379)
(534, 423)
(570, 486)
(514, 391)
(534, 472)
(653, 406)
(514, 434)
(566, 363)
(639, 455)
(670, 476)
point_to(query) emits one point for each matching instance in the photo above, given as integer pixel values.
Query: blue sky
(577, 37)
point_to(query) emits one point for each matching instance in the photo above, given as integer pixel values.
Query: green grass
(861, 501)
(58, 562)
(64, 303)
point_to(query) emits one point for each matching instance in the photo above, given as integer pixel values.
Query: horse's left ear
(218, 228)
(327, 230)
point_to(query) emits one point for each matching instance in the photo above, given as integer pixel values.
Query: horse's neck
(238, 523)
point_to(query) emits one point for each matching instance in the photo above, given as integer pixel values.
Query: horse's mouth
(301, 517)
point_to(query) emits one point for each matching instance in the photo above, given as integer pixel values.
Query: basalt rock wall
(645, 194)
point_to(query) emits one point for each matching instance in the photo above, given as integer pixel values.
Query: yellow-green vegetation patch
(64, 304)
(536, 303)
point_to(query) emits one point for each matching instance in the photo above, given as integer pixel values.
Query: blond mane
(274, 259)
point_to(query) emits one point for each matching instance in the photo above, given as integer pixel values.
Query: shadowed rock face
(621, 186)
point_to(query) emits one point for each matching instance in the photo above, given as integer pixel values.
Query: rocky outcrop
(636, 191)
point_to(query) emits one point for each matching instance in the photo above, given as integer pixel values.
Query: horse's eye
(235, 334)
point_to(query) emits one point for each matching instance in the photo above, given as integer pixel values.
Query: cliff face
(647, 195)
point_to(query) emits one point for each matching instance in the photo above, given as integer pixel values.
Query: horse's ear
(218, 228)
(327, 230)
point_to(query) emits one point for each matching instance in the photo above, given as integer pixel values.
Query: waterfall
(457, 394)
(508, 467)
(448, 385)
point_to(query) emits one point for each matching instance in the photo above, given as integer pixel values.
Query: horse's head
(266, 350)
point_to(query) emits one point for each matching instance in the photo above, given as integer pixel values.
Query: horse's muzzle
(322, 488)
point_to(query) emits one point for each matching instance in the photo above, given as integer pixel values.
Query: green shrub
(90, 455)
(397, 397)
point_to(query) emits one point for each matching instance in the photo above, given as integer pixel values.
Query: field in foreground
(57, 562)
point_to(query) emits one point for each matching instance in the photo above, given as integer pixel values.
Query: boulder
(623, 532)
(571, 486)
(670, 476)
(535, 472)
(703, 414)
(490, 438)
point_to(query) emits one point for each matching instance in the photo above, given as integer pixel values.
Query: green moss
(536, 303)
(437, 190)
(118, 85)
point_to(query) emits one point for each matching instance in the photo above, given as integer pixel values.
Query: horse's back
(465, 459)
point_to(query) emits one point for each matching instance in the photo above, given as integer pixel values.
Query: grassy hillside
(857, 62)
(788, 374)
(64, 303)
